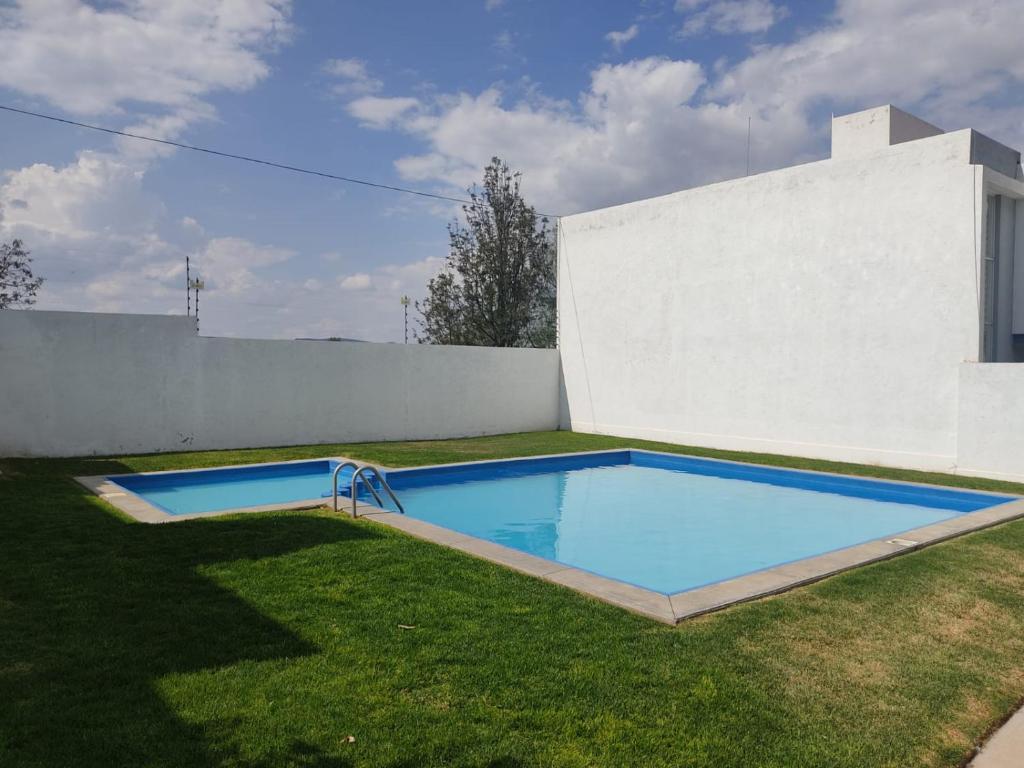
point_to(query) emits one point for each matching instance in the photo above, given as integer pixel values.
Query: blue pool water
(666, 523)
(212, 490)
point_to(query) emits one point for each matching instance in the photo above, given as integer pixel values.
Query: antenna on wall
(197, 285)
(405, 307)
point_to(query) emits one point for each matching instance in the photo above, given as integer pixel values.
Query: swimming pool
(669, 523)
(663, 523)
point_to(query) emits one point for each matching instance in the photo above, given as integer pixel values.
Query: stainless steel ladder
(365, 471)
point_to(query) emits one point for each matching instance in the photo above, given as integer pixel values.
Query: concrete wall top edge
(951, 146)
(992, 154)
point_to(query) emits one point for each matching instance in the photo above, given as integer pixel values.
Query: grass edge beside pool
(288, 641)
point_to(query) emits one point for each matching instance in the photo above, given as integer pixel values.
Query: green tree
(497, 287)
(18, 286)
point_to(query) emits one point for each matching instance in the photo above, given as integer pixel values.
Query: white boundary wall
(991, 420)
(84, 384)
(822, 311)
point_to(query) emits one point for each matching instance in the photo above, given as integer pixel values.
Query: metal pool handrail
(334, 478)
(357, 471)
(369, 484)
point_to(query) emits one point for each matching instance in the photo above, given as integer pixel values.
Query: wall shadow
(94, 610)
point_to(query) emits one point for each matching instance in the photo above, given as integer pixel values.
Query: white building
(868, 307)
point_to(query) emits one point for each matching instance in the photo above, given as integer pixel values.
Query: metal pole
(196, 285)
(405, 307)
(748, 146)
(188, 288)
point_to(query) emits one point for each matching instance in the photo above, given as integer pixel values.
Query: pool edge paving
(1004, 748)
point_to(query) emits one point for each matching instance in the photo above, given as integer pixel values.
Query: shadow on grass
(93, 611)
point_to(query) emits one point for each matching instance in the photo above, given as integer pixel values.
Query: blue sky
(596, 103)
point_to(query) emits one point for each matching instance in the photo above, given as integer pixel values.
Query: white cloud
(374, 312)
(874, 53)
(233, 265)
(369, 310)
(619, 39)
(622, 139)
(379, 111)
(353, 77)
(493, 5)
(728, 17)
(655, 125)
(357, 282)
(97, 192)
(251, 289)
(190, 225)
(105, 271)
(170, 53)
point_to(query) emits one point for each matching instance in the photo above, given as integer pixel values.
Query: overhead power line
(245, 158)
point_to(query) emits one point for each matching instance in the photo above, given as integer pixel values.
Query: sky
(595, 102)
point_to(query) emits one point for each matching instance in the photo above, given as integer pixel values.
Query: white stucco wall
(991, 420)
(78, 383)
(821, 310)
(874, 129)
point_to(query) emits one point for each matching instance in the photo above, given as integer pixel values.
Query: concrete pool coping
(670, 608)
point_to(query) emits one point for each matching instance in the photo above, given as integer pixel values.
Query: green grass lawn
(270, 639)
